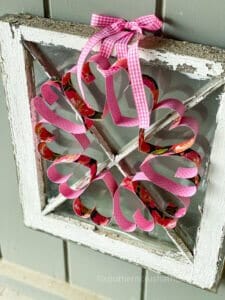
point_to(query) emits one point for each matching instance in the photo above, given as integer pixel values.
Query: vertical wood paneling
(21, 6)
(19, 244)
(200, 21)
(80, 11)
(160, 287)
(104, 274)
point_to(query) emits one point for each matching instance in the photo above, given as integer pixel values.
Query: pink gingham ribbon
(117, 32)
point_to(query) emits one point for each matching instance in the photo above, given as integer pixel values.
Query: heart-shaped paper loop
(46, 138)
(165, 183)
(138, 218)
(166, 216)
(50, 94)
(80, 103)
(84, 212)
(182, 121)
(55, 176)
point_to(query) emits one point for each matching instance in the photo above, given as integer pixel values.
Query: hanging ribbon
(119, 32)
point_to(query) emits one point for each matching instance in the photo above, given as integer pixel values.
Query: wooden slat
(22, 6)
(166, 288)
(80, 11)
(200, 21)
(104, 274)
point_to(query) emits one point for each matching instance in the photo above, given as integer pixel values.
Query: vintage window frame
(204, 269)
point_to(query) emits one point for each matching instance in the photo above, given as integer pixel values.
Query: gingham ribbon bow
(117, 32)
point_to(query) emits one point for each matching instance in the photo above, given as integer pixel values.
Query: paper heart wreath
(116, 34)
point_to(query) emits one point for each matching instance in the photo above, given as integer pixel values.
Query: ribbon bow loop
(149, 22)
(102, 21)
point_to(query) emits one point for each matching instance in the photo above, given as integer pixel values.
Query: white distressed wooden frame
(195, 60)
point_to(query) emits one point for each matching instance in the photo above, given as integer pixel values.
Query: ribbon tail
(149, 22)
(137, 86)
